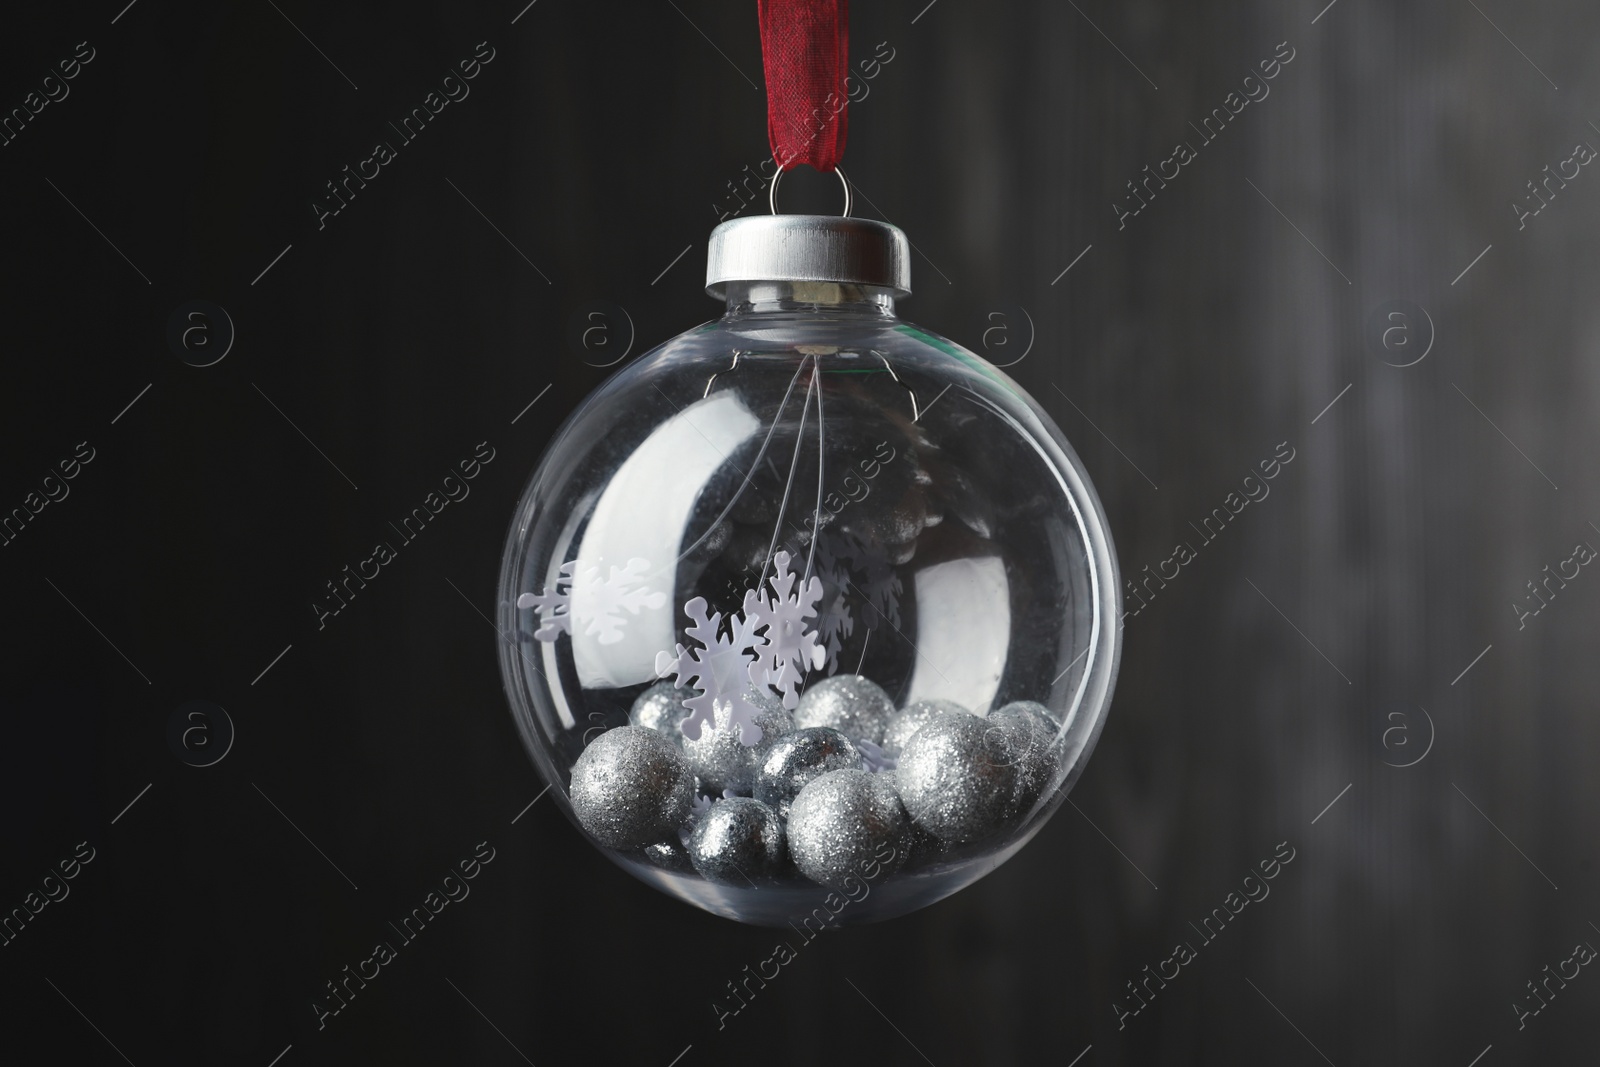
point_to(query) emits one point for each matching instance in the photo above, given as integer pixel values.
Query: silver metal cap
(808, 248)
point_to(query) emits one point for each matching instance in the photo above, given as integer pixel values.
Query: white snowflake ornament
(601, 601)
(554, 608)
(719, 667)
(791, 642)
(784, 679)
(873, 759)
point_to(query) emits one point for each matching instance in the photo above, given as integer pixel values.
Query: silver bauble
(631, 787)
(800, 757)
(1034, 712)
(913, 717)
(844, 822)
(851, 704)
(738, 842)
(958, 776)
(1028, 731)
(660, 708)
(722, 761)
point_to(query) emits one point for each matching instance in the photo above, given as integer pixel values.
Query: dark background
(1321, 641)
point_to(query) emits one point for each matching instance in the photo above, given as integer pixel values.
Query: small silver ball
(845, 820)
(1028, 731)
(799, 758)
(722, 761)
(914, 717)
(738, 842)
(1038, 714)
(660, 708)
(631, 787)
(849, 703)
(958, 777)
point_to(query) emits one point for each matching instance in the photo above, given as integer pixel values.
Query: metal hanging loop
(772, 191)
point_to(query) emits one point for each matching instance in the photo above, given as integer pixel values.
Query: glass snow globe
(809, 616)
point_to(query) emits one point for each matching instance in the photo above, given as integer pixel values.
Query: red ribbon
(805, 53)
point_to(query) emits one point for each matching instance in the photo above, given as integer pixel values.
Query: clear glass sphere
(803, 520)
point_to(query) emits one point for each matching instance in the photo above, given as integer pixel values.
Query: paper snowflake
(605, 598)
(873, 759)
(764, 676)
(555, 608)
(718, 665)
(791, 643)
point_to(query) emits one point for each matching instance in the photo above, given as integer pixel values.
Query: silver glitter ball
(799, 758)
(844, 821)
(1028, 732)
(958, 776)
(851, 704)
(631, 787)
(722, 761)
(1036, 713)
(660, 708)
(913, 717)
(738, 842)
